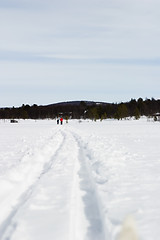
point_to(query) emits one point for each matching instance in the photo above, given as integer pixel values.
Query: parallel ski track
(90, 200)
(8, 226)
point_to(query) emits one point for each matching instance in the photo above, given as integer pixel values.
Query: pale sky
(98, 50)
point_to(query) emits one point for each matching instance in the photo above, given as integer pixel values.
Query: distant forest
(85, 110)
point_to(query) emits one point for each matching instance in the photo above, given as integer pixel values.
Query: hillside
(84, 109)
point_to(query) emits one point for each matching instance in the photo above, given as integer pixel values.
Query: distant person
(61, 120)
(57, 120)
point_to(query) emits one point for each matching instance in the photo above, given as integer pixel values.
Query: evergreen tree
(137, 113)
(122, 111)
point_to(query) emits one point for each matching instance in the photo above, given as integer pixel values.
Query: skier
(61, 120)
(57, 120)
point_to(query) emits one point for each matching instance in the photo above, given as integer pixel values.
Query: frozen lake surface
(79, 181)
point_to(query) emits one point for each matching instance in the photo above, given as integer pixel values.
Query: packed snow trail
(26, 175)
(96, 229)
(62, 201)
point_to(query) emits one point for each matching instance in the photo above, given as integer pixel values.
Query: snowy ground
(79, 181)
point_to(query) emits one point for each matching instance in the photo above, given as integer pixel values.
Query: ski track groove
(91, 200)
(8, 226)
(83, 180)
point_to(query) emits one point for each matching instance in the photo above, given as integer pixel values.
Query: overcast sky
(62, 50)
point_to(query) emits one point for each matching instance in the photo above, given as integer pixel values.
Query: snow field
(79, 181)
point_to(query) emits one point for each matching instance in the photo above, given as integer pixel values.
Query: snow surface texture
(80, 181)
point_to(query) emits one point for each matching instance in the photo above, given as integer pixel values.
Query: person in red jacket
(61, 120)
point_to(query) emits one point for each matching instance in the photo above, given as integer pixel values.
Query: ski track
(73, 205)
(9, 225)
(96, 229)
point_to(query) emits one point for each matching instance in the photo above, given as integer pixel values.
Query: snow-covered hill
(79, 181)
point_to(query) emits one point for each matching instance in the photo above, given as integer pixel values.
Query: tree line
(84, 110)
